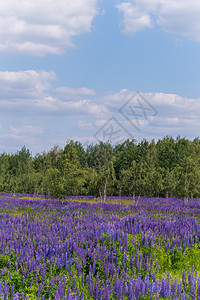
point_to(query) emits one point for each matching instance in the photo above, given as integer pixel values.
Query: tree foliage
(166, 168)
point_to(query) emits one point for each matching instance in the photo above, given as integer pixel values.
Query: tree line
(166, 168)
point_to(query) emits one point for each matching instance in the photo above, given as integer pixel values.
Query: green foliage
(170, 167)
(4, 261)
(175, 261)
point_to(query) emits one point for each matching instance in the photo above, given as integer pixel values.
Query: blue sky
(71, 70)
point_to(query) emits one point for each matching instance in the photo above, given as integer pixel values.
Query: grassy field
(85, 249)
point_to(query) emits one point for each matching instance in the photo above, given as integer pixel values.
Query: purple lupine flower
(189, 277)
(131, 262)
(193, 268)
(157, 288)
(91, 288)
(198, 289)
(22, 296)
(9, 264)
(12, 291)
(39, 291)
(83, 278)
(142, 288)
(183, 296)
(146, 282)
(107, 293)
(0, 286)
(73, 284)
(137, 289)
(97, 291)
(179, 291)
(136, 259)
(151, 290)
(6, 290)
(192, 290)
(162, 290)
(153, 277)
(130, 291)
(184, 280)
(167, 288)
(168, 276)
(125, 291)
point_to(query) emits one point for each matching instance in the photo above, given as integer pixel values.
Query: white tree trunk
(105, 191)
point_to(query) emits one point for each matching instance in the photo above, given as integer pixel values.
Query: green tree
(105, 180)
(99, 155)
(73, 176)
(189, 178)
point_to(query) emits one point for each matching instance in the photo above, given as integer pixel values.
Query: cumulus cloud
(29, 91)
(68, 92)
(25, 84)
(35, 114)
(85, 125)
(174, 16)
(43, 27)
(168, 114)
(181, 17)
(135, 18)
(26, 130)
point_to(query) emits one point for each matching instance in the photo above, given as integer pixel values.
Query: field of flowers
(82, 249)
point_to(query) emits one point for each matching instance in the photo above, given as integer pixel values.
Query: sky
(98, 70)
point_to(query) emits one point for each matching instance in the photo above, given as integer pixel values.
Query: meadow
(81, 248)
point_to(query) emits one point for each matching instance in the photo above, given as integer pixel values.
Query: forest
(166, 168)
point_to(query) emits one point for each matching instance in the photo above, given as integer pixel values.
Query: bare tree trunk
(138, 199)
(185, 200)
(133, 198)
(100, 195)
(105, 191)
(120, 191)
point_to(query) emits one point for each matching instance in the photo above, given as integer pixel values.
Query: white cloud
(181, 17)
(43, 27)
(41, 115)
(67, 92)
(110, 97)
(16, 137)
(174, 16)
(28, 91)
(27, 130)
(175, 114)
(85, 125)
(134, 18)
(25, 84)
